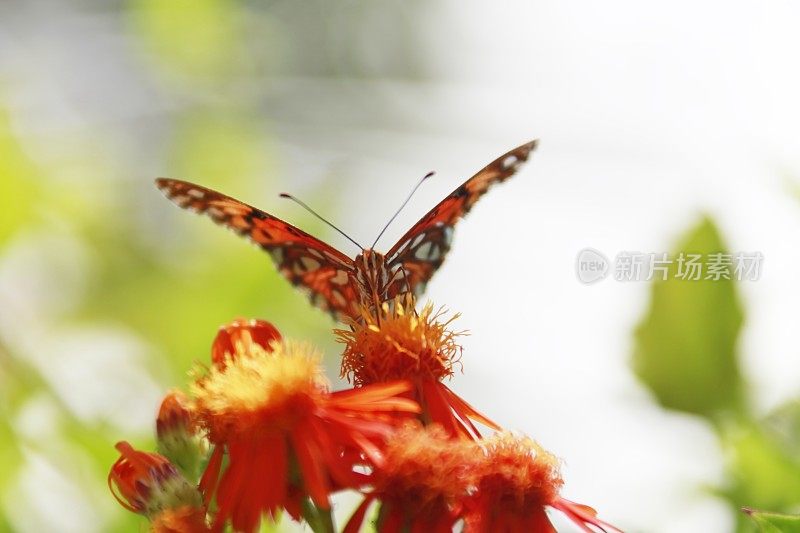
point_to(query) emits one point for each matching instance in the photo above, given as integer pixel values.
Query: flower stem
(326, 518)
(319, 520)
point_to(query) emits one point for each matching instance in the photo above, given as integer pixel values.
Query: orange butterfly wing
(325, 272)
(421, 251)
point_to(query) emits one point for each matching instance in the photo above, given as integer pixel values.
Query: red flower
(516, 480)
(421, 483)
(286, 436)
(403, 344)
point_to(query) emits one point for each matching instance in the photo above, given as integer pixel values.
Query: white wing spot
(448, 235)
(335, 259)
(340, 278)
(427, 252)
(417, 240)
(196, 193)
(277, 255)
(181, 199)
(309, 263)
(396, 272)
(402, 249)
(215, 212)
(510, 162)
(338, 299)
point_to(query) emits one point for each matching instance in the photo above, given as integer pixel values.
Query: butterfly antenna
(346, 236)
(426, 176)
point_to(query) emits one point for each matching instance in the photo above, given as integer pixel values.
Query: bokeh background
(662, 127)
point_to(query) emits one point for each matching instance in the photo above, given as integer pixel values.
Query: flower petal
(310, 459)
(354, 524)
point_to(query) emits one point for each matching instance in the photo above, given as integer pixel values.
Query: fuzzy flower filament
(516, 480)
(401, 343)
(421, 483)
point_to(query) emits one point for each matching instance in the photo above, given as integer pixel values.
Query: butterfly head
(370, 269)
(374, 276)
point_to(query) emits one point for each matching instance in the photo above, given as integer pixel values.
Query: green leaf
(760, 473)
(773, 522)
(783, 424)
(685, 350)
(763, 463)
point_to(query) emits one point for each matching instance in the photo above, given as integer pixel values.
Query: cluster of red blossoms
(260, 433)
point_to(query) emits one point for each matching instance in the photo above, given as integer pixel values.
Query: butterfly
(335, 282)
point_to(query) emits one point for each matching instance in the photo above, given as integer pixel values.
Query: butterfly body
(335, 282)
(375, 278)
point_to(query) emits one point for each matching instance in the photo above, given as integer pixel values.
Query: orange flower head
(422, 482)
(516, 479)
(400, 343)
(180, 520)
(256, 390)
(147, 483)
(177, 437)
(286, 436)
(517, 475)
(242, 331)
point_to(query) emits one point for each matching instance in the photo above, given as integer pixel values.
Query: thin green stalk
(319, 520)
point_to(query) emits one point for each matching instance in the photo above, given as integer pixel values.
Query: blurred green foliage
(142, 268)
(686, 345)
(775, 523)
(195, 38)
(686, 355)
(18, 182)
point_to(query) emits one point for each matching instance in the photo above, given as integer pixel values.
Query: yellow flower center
(399, 344)
(257, 389)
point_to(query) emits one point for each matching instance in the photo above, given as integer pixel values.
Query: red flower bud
(146, 483)
(173, 415)
(242, 332)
